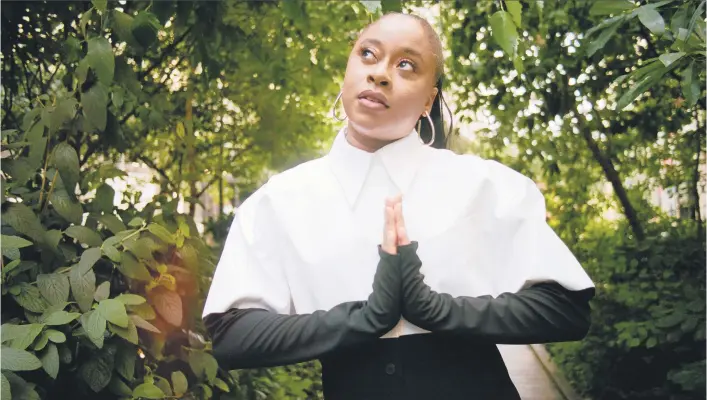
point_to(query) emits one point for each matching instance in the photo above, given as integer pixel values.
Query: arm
(245, 312)
(542, 313)
(249, 338)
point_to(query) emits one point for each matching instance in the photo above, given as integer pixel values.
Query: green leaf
(20, 169)
(161, 232)
(140, 248)
(85, 19)
(50, 360)
(65, 355)
(203, 364)
(12, 359)
(30, 298)
(61, 318)
(101, 59)
(371, 5)
(100, 5)
(163, 384)
(95, 325)
(144, 28)
(103, 202)
(671, 320)
(144, 310)
(136, 222)
(118, 387)
(66, 161)
(515, 8)
(141, 323)
(148, 391)
(22, 219)
(112, 253)
(504, 32)
(98, 371)
(54, 287)
(89, 259)
(111, 222)
(5, 391)
(132, 268)
(168, 305)
(113, 311)
(679, 20)
(81, 72)
(122, 23)
(651, 342)
(130, 299)
(41, 342)
(125, 360)
(649, 80)
(13, 242)
(67, 206)
(102, 291)
(669, 58)
(56, 336)
(84, 235)
(606, 7)
(221, 385)
(690, 85)
(651, 19)
(94, 103)
(603, 38)
(388, 6)
(129, 333)
(83, 286)
(21, 336)
(179, 383)
(63, 112)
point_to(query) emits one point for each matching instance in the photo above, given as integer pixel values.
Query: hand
(400, 230)
(390, 231)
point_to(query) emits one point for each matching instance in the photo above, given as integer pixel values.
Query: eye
(406, 65)
(366, 53)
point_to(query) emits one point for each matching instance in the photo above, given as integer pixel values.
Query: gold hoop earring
(432, 127)
(333, 109)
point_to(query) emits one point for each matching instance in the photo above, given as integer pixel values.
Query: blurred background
(132, 129)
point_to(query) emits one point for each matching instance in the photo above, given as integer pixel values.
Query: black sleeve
(252, 338)
(543, 313)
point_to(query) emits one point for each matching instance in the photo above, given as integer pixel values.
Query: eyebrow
(406, 50)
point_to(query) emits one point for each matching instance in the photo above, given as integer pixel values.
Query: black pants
(425, 366)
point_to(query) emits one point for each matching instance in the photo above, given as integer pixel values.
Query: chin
(372, 128)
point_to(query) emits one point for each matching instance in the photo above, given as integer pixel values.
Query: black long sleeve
(542, 313)
(251, 338)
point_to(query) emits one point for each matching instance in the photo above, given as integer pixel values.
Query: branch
(159, 170)
(612, 176)
(164, 53)
(216, 177)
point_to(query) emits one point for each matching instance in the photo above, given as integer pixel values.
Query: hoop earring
(333, 109)
(432, 126)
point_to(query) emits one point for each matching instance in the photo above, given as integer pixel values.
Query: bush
(647, 339)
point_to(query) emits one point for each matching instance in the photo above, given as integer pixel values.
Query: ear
(431, 99)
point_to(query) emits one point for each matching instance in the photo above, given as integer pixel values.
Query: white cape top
(307, 239)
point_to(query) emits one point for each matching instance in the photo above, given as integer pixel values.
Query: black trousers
(424, 366)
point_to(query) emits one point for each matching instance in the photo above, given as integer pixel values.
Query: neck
(363, 142)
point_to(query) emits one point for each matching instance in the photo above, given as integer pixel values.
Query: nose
(379, 76)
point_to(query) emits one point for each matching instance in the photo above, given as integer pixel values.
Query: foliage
(647, 338)
(584, 106)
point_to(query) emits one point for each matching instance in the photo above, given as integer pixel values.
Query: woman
(305, 274)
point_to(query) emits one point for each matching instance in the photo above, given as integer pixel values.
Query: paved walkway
(528, 374)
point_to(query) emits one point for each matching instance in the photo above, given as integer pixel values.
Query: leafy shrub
(647, 339)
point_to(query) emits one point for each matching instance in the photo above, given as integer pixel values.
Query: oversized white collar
(401, 159)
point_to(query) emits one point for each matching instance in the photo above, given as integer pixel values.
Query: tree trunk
(613, 177)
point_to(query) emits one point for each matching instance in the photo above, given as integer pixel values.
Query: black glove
(252, 338)
(543, 313)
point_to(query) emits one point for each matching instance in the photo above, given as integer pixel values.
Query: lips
(374, 97)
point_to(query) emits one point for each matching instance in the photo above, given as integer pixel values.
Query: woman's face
(390, 78)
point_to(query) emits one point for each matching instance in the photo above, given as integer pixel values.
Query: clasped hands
(416, 296)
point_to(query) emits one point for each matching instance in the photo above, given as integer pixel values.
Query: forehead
(397, 30)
